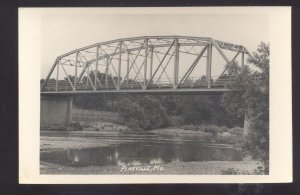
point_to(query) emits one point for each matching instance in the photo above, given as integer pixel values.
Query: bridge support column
(176, 64)
(55, 111)
(208, 65)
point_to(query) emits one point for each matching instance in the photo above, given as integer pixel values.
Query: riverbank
(172, 168)
(63, 140)
(58, 140)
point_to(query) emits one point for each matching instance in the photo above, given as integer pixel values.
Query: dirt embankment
(94, 115)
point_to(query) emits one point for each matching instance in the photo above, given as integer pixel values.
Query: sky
(64, 32)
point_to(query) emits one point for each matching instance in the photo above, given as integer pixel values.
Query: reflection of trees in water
(226, 154)
(142, 153)
(96, 156)
(167, 152)
(136, 151)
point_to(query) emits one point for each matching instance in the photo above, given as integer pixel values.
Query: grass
(94, 115)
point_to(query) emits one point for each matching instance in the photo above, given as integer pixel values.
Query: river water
(142, 148)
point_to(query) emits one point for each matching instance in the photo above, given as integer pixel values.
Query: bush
(144, 113)
(231, 171)
(191, 127)
(259, 170)
(177, 121)
(236, 131)
(186, 127)
(211, 129)
(76, 126)
(223, 129)
(133, 124)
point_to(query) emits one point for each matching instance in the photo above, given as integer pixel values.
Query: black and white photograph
(154, 92)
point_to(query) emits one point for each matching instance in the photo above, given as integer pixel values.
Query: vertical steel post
(128, 62)
(106, 72)
(208, 65)
(176, 64)
(120, 63)
(57, 75)
(87, 79)
(96, 71)
(243, 57)
(151, 60)
(145, 62)
(75, 80)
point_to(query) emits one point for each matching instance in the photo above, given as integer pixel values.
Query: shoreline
(84, 139)
(172, 168)
(75, 140)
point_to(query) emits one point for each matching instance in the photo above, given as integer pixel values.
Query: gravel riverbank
(76, 140)
(173, 168)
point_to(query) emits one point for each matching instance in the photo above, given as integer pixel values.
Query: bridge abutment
(56, 111)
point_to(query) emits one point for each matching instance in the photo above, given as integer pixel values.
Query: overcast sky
(62, 33)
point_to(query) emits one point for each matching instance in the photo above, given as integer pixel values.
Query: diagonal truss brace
(68, 77)
(193, 65)
(159, 65)
(229, 63)
(110, 62)
(89, 78)
(139, 70)
(163, 67)
(131, 66)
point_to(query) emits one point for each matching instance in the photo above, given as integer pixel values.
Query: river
(138, 148)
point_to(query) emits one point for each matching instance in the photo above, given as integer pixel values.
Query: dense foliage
(144, 113)
(250, 96)
(150, 112)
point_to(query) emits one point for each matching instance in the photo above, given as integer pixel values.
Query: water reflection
(139, 153)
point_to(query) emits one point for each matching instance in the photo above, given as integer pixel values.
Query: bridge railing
(162, 83)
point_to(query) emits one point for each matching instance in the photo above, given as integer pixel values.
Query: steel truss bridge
(147, 64)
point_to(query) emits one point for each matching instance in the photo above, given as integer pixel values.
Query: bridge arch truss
(142, 63)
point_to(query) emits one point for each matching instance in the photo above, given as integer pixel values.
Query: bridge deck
(203, 91)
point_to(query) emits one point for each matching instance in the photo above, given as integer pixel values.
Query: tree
(250, 95)
(170, 102)
(155, 112)
(91, 101)
(72, 78)
(144, 112)
(197, 110)
(133, 114)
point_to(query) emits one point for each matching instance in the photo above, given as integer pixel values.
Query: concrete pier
(55, 110)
